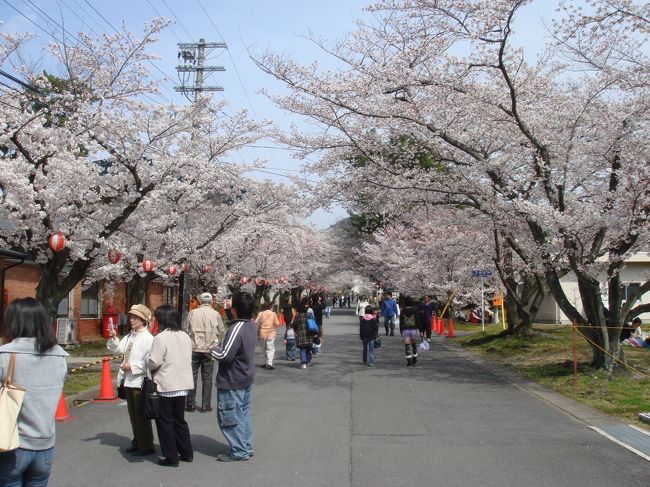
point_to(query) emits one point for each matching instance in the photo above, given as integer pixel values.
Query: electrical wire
(83, 22)
(178, 20)
(31, 21)
(128, 40)
(161, 16)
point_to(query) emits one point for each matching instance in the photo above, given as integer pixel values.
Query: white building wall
(636, 270)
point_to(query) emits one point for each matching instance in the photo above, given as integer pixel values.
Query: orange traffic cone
(438, 326)
(106, 392)
(61, 415)
(450, 332)
(442, 327)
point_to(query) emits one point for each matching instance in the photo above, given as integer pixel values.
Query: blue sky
(280, 25)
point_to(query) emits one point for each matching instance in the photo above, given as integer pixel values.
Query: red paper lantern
(185, 267)
(114, 256)
(171, 270)
(207, 268)
(244, 280)
(147, 265)
(56, 242)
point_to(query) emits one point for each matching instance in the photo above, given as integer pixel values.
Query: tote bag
(11, 400)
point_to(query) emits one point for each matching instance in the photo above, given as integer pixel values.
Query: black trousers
(204, 362)
(173, 432)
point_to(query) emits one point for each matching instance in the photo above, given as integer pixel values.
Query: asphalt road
(447, 422)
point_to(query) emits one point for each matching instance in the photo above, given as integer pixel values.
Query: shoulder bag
(11, 400)
(149, 398)
(312, 326)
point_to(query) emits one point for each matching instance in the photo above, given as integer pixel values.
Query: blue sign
(481, 273)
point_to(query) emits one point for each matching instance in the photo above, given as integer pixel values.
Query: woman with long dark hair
(170, 361)
(40, 368)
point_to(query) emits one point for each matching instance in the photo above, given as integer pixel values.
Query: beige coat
(204, 325)
(267, 322)
(170, 361)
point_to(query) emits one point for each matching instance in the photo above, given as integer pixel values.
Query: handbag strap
(9, 376)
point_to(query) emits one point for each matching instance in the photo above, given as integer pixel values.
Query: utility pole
(193, 61)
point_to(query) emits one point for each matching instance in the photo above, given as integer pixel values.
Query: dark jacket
(287, 311)
(236, 355)
(408, 319)
(368, 329)
(318, 313)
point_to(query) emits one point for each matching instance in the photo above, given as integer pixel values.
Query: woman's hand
(126, 367)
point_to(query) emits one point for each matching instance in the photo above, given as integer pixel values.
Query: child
(290, 341)
(369, 332)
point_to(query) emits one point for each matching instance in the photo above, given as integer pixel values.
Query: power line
(160, 15)
(178, 20)
(83, 22)
(30, 20)
(42, 14)
(126, 39)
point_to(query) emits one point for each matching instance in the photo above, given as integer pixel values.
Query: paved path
(450, 421)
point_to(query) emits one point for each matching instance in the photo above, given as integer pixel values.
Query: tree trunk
(137, 289)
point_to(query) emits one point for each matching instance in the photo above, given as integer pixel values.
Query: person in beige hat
(204, 326)
(135, 347)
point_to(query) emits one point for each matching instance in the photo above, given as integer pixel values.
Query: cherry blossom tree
(552, 150)
(92, 159)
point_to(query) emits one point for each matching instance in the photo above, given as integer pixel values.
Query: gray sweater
(43, 376)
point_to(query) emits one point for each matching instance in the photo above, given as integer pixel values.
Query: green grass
(546, 357)
(77, 382)
(89, 349)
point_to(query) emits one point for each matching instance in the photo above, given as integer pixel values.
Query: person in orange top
(267, 321)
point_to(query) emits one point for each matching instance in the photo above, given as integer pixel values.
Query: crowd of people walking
(172, 359)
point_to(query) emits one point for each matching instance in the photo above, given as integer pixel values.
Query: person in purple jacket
(235, 379)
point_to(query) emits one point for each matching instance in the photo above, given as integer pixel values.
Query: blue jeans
(369, 351)
(305, 355)
(291, 349)
(233, 413)
(29, 468)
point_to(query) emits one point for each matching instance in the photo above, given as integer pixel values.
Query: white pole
(482, 305)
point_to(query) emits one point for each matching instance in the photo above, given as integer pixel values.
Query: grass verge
(546, 357)
(81, 381)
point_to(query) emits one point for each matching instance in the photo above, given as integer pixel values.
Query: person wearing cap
(204, 326)
(135, 348)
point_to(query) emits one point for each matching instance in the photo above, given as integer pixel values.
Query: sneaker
(225, 457)
(303, 366)
(190, 409)
(205, 410)
(371, 365)
(270, 367)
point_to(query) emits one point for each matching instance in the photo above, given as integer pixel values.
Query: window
(64, 306)
(90, 301)
(629, 289)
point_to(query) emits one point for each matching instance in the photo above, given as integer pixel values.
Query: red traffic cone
(106, 392)
(434, 329)
(438, 326)
(442, 327)
(450, 332)
(61, 415)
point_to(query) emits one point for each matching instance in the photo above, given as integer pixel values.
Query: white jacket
(142, 342)
(361, 307)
